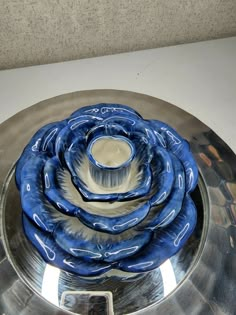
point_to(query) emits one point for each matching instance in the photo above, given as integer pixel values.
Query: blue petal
(54, 255)
(114, 225)
(138, 126)
(76, 127)
(32, 149)
(111, 225)
(180, 147)
(75, 154)
(141, 191)
(166, 242)
(52, 188)
(74, 158)
(105, 110)
(106, 129)
(106, 250)
(175, 200)
(47, 143)
(165, 179)
(33, 201)
(144, 150)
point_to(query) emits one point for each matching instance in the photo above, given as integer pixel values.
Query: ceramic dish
(107, 190)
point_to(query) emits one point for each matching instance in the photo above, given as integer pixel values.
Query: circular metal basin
(200, 279)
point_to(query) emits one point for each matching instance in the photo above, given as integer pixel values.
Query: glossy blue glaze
(53, 254)
(175, 200)
(164, 172)
(76, 127)
(180, 147)
(141, 191)
(144, 150)
(165, 178)
(113, 225)
(133, 126)
(110, 176)
(33, 200)
(110, 251)
(104, 110)
(166, 241)
(106, 129)
(75, 155)
(39, 210)
(32, 149)
(48, 139)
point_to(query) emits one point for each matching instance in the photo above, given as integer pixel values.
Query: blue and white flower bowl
(107, 190)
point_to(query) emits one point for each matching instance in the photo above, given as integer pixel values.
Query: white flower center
(111, 152)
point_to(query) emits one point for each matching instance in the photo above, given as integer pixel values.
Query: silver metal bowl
(200, 279)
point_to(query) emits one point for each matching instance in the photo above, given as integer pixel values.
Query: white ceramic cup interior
(111, 152)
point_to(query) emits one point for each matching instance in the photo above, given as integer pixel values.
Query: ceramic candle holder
(110, 160)
(106, 190)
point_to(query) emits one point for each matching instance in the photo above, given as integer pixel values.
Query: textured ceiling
(39, 32)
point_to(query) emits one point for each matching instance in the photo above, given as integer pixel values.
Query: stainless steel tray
(201, 279)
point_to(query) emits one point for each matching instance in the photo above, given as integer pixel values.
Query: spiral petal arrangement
(106, 189)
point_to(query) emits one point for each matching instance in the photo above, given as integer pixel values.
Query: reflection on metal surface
(168, 277)
(50, 284)
(203, 273)
(88, 302)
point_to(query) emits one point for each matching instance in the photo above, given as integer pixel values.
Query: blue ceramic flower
(106, 189)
